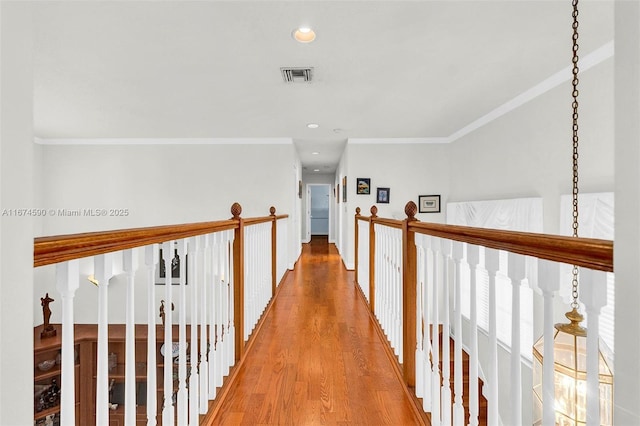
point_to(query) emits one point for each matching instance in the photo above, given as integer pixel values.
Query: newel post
(274, 245)
(356, 244)
(409, 271)
(238, 275)
(372, 259)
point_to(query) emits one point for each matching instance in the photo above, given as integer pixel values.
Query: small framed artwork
(382, 195)
(363, 186)
(344, 189)
(338, 194)
(161, 270)
(299, 189)
(429, 204)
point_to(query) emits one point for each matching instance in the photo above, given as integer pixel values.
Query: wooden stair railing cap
(236, 210)
(410, 209)
(272, 210)
(374, 211)
(357, 211)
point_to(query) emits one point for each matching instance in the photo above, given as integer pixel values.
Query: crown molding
(163, 141)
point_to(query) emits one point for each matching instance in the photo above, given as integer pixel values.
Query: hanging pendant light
(570, 340)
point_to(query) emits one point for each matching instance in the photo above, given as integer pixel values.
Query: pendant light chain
(574, 82)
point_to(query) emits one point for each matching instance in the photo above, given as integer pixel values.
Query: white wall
(627, 214)
(409, 170)
(161, 184)
(527, 152)
(17, 160)
(164, 184)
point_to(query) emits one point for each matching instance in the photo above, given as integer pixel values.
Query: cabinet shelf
(44, 413)
(40, 375)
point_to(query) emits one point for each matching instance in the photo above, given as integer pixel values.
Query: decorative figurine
(50, 397)
(162, 314)
(48, 330)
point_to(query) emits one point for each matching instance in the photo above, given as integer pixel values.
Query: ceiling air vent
(297, 75)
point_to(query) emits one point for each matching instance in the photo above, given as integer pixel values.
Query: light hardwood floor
(317, 360)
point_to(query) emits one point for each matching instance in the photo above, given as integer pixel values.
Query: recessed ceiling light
(315, 153)
(303, 34)
(313, 125)
(316, 170)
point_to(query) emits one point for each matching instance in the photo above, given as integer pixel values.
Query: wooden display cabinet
(85, 371)
(47, 406)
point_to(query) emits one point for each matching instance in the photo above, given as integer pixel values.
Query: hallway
(317, 358)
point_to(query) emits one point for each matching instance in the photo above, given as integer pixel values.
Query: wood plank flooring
(317, 360)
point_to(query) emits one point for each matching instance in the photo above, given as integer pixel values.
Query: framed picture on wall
(299, 189)
(363, 186)
(338, 194)
(429, 204)
(382, 195)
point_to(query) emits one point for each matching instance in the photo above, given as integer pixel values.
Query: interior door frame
(308, 211)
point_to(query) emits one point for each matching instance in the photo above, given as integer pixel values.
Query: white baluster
(593, 293)
(218, 351)
(151, 261)
(129, 264)
(492, 265)
(213, 287)
(183, 396)
(549, 284)
(67, 282)
(248, 280)
(435, 334)
(427, 402)
(168, 253)
(458, 408)
(446, 248)
(398, 245)
(204, 362)
(231, 307)
(473, 258)
(517, 274)
(194, 378)
(103, 274)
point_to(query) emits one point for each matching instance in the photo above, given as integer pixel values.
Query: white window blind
(522, 214)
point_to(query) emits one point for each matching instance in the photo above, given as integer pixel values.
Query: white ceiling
(211, 69)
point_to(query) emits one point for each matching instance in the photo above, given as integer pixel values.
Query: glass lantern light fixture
(570, 375)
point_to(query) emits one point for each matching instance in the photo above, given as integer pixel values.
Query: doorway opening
(318, 211)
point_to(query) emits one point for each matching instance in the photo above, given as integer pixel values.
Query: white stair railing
(363, 257)
(388, 289)
(198, 336)
(257, 273)
(497, 267)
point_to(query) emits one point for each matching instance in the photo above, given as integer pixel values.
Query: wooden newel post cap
(357, 211)
(236, 210)
(410, 210)
(374, 211)
(272, 210)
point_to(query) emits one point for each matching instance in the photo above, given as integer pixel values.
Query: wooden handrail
(62, 248)
(392, 223)
(587, 252)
